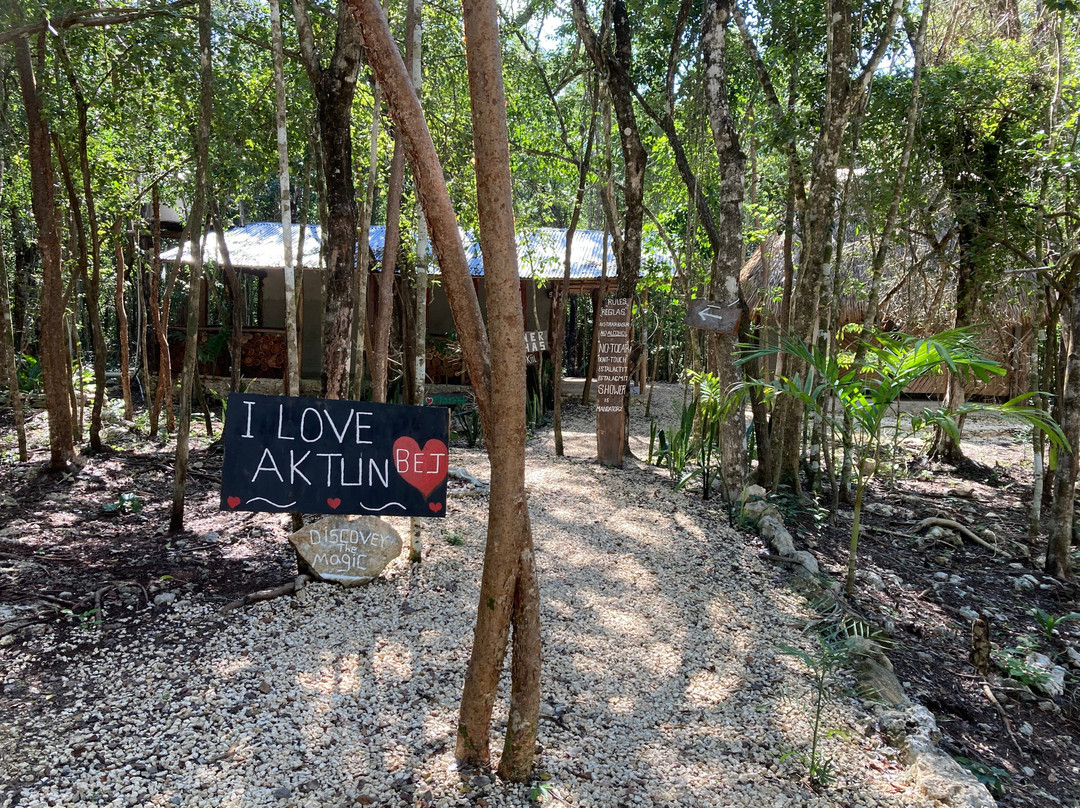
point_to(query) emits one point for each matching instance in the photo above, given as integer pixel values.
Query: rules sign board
(612, 375)
(321, 456)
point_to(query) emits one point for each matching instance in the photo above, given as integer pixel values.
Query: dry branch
(963, 531)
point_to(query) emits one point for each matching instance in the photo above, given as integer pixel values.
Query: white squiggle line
(383, 508)
(275, 504)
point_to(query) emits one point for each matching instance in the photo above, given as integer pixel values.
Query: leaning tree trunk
(508, 530)
(54, 354)
(194, 307)
(508, 589)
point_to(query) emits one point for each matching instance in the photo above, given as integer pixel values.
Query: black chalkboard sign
(316, 455)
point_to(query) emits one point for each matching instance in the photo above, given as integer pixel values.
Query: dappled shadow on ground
(662, 682)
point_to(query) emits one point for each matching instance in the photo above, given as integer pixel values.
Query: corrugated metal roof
(540, 252)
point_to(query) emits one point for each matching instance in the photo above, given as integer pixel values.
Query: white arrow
(705, 312)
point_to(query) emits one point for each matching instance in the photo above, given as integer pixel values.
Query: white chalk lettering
(247, 432)
(303, 421)
(294, 468)
(266, 455)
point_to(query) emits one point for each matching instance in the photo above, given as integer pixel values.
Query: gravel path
(663, 684)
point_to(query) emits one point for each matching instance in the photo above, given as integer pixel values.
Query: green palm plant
(866, 394)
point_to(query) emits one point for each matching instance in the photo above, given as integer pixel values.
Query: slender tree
(508, 588)
(194, 304)
(54, 354)
(334, 86)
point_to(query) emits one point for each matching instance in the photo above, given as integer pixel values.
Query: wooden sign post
(612, 369)
(321, 456)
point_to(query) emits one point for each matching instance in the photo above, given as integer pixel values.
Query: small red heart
(333, 502)
(233, 501)
(435, 506)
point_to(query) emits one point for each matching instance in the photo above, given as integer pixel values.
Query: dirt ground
(86, 548)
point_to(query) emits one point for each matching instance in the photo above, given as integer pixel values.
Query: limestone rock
(879, 683)
(1052, 681)
(756, 509)
(348, 551)
(774, 532)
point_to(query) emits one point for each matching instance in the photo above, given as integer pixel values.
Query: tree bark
(499, 386)
(508, 588)
(389, 69)
(194, 306)
(1058, 561)
(334, 88)
(122, 319)
(7, 344)
(384, 306)
(363, 271)
(292, 342)
(728, 258)
(54, 355)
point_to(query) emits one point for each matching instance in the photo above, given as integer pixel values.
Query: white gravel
(663, 684)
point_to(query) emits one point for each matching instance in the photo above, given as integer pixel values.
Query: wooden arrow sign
(722, 318)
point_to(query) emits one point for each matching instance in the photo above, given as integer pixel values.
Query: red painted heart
(423, 469)
(233, 501)
(334, 502)
(435, 506)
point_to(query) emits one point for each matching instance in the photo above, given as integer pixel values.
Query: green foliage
(990, 776)
(29, 373)
(468, 422)
(1048, 622)
(1013, 662)
(830, 655)
(127, 502)
(675, 451)
(455, 540)
(866, 393)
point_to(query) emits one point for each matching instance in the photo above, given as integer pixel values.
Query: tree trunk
(159, 310)
(194, 307)
(236, 304)
(122, 320)
(508, 588)
(363, 271)
(334, 87)
(728, 260)
(54, 355)
(292, 340)
(511, 579)
(563, 290)
(843, 92)
(93, 240)
(384, 307)
(7, 345)
(1058, 561)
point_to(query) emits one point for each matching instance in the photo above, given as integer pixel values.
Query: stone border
(907, 725)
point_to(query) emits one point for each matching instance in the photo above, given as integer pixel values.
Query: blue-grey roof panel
(541, 251)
